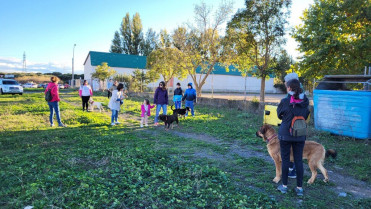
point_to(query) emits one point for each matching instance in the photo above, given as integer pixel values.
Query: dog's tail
(331, 152)
(172, 107)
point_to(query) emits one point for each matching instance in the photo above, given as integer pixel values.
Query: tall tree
(150, 42)
(126, 33)
(334, 38)
(137, 34)
(262, 27)
(116, 44)
(201, 45)
(166, 62)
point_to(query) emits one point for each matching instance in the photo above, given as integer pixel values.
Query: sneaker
(62, 125)
(292, 174)
(51, 125)
(282, 189)
(118, 122)
(156, 124)
(141, 125)
(299, 192)
(112, 124)
(146, 125)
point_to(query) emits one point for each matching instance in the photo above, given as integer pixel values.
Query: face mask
(291, 92)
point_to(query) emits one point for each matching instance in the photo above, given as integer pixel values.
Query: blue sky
(47, 29)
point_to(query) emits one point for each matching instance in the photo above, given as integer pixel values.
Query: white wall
(220, 83)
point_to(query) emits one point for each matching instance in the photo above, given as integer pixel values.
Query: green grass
(90, 164)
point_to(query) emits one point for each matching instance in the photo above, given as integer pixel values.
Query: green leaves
(103, 71)
(333, 38)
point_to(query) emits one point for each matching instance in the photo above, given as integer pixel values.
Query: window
(10, 82)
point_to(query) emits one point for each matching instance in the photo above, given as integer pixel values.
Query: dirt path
(343, 183)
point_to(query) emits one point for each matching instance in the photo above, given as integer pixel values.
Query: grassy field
(212, 160)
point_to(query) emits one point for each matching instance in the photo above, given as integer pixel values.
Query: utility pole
(24, 62)
(73, 70)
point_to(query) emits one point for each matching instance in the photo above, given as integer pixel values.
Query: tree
(103, 72)
(116, 44)
(137, 36)
(126, 33)
(261, 26)
(166, 62)
(165, 39)
(201, 45)
(150, 42)
(334, 37)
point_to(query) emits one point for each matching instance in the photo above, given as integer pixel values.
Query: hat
(291, 76)
(190, 84)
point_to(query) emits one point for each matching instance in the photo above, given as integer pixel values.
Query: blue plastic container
(345, 113)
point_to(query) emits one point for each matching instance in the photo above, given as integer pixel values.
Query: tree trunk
(245, 89)
(262, 89)
(198, 90)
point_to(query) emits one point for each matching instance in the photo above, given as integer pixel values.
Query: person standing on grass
(289, 107)
(85, 93)
(178, 94)
(146, 112)
(190, 96)
(114, 103)
(109, 85)
(54, 102)
(161, 100)
(290, 76)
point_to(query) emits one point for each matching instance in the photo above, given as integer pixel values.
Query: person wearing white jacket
(114, 103)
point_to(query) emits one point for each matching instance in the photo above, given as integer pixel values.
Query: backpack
(298, 126)
(48, 95)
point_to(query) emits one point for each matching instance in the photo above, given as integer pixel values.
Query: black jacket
(178, 91)
(286, 111)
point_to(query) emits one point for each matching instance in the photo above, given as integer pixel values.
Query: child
(178, 94)
(146, 111)
(190, 96)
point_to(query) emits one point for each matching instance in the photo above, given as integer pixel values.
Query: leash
(271, 137)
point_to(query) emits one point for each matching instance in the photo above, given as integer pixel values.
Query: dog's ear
(264, 129)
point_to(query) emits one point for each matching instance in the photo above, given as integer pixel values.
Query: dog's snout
(257, 134)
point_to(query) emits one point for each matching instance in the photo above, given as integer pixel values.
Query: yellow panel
(270, 116)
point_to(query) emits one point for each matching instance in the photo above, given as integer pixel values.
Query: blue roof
(118, 60)
(140, 62)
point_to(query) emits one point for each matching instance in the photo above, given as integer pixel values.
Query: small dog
(181, 112)
(95, 104)
(169, 120)
(314, 152)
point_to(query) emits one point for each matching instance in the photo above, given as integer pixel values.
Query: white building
(219, 80)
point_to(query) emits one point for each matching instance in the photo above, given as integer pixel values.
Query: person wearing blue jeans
(161, 99)
(54, 108)
(114, 103)
(190, 96)
(178, 94)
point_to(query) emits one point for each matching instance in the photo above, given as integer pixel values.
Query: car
(61, 86)
(10, 86)
(42, 85)
(29, 85)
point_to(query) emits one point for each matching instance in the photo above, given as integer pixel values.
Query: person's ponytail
(294, 84)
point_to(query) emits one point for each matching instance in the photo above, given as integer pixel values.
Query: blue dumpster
(345, 113)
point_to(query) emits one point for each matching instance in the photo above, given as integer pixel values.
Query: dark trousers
(297, 148)
(109, 94)
(85, 102)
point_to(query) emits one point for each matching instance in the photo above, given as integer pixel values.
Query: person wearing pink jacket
(85, 92)
(146, 112)
(54, 102)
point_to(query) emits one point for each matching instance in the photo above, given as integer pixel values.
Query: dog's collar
(271, 137)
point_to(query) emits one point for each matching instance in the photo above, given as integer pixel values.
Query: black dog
(169, 120)
(181, 112)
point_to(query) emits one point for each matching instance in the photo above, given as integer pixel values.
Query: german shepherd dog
(169, 120)
(180, 112)
(314, 152)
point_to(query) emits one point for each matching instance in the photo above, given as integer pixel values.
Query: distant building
(219, 80)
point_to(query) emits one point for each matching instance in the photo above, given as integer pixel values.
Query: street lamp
(73, 63)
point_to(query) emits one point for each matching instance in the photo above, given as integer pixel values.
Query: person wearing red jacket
(54, 103)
